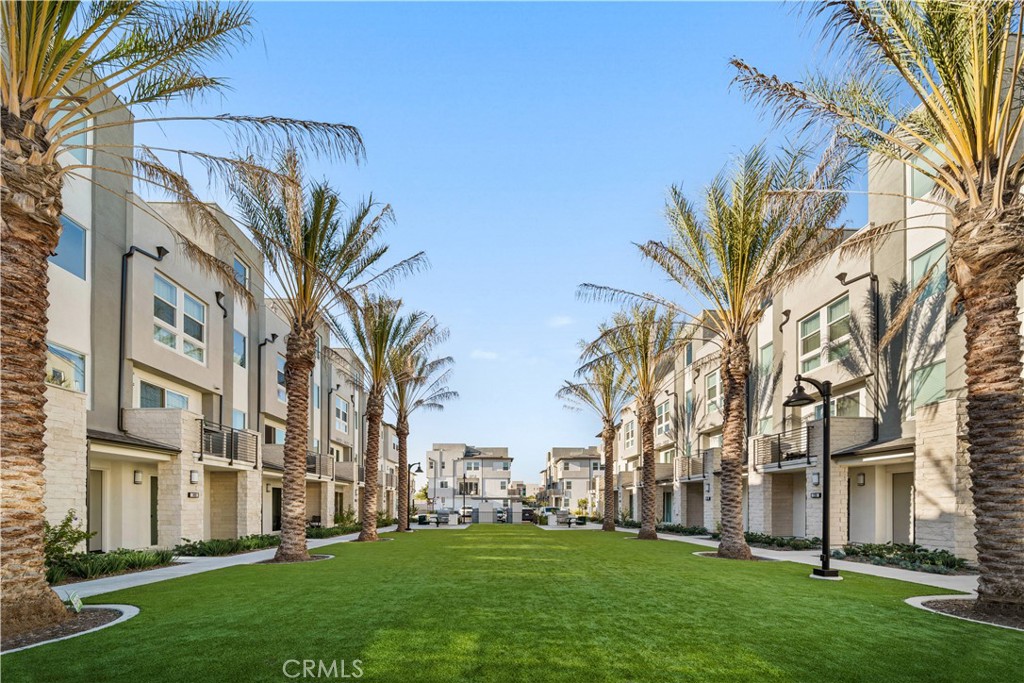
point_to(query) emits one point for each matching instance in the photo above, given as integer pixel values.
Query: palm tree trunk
(736, 368)
(299, 362)
(402, 430)
(374, 414)
(648, 523)
(608, 436)
(29, 231)
(988, 263)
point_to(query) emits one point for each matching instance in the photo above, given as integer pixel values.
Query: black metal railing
(220, 441)
(784, 448)
(320, 465)
(695, 466)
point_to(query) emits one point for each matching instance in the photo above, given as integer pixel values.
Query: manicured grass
(505, 604)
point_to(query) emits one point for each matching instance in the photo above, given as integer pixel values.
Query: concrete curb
(919, 601)
(127, 612)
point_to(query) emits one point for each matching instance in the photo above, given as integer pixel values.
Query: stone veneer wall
(65, 455)
(250, 502)
(943, 504)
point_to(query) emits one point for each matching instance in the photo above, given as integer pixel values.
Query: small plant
(384, 520)
(346, 518)
(540, 519)
(906, 556)
(62, 541)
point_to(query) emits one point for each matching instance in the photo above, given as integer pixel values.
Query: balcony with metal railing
(789, 449)
(320, 466)
(695, 467)
(237, 446)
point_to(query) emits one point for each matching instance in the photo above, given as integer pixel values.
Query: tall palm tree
(377, 330)
(642, 343)
(604, 393)
(961, 66)
(417, 383)
(77, 77)
(319, 258)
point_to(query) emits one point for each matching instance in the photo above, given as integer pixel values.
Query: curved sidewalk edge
(919, 601)
(127, 612)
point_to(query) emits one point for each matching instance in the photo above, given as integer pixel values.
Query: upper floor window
(764, 425)
(663, 421)
(241, 273)
(711, 390)
(928, 384)
(282, 393)
(921, 184)
(64, 367)
(666, 456)
(766, 358)
(273, 435)
(152, 396)
(179, 319)
(239, 350)
(923, 262)
(238, 419)
(835, 336)
(565, 465)
(341, 414)
(629, 434)
(688, 353)
(70, 254)
(502, 484)
(847, 405)
(505, 465)
(316, 396)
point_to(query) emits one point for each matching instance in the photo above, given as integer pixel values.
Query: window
(835, 336)
(920, 184)
(711, 390)
(847, 405)
(316, 396)
(929, 385)
(70, 254)
(316, 445)
(238, 419)
(444, 484)
(766, 358)
(920, 264)
(240, 349)
(502, 484)
(663, 422)
(688, 407)
(64, 367)
(566, 482)
(76, 144)
(341, 414)
(565, 464)
(839, 329)
(152, 396)
(282, 394)
(764, 425)
(629, 434)
(471, 465)
(168, 299)
(666, 456)
(505, 464)
(273, 435)
(810, 342)
(241, 273)
(689, 353)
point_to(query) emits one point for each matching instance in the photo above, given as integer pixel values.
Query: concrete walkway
(187, 567)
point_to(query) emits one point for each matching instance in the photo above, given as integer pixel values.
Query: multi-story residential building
(899, 464)
(568, 476)
(459, 475)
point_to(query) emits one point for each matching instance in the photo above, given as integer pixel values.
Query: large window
(77, 144)
(70, 254)
(688, 355)
(835, 336)
(629, 434)
(711, 391)
(241, 273)
(663, 419)
(282, 393)
(766, 359)
(928, 385)
(64, 367)
(240, 351)
(152, 396)
(846, 405)
(341, 415)
(921, 184)
(922, 263)
(666, 456)
(179, 319)
(238, 419)
(273, 435)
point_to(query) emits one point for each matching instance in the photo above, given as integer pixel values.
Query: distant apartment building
(460, 475)
(568, 477)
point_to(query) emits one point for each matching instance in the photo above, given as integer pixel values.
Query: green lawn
(503, 604)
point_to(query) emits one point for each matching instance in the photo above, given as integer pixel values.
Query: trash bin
(422, 520)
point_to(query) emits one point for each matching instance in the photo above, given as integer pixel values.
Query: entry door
(153, 490)
(666, 506)
(275, 509)
(902, 502)
(95, 516)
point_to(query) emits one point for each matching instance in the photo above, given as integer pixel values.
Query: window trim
(50, 346)
(713, 405)
(177, 331)
(65, 220)
(823, 353)
(164, 391)
(629, 434)
(662, 418)
(245, 349)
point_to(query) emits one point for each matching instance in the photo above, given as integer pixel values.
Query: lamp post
(464, 486)
(408, 493)
(797, 399)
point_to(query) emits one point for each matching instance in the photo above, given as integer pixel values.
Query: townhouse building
(900, 469)
(568, 476)
(479, 477)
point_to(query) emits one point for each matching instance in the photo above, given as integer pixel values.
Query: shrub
(628, 523)
(226, 546)
(540, 519)
(346, 518)
(384, 520)
(94, 565)
(61, 541)
(907, 556)
(684, 530)
(769, 541)
(332, 531)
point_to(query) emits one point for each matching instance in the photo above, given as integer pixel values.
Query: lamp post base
(826, 574)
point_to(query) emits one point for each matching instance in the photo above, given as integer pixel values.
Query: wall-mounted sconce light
(137, 476)
(707, 487)
(815, 478)
(861, 479)
(269, 488)
(193, 476)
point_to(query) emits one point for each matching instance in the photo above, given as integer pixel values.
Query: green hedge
(332, 531)
(769, 541)
(226, 546)
(904, 555)
(95, 565)
(684, 530)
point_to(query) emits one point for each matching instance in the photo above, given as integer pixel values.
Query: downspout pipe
(161, 252)
(875, 332)
(259, 380)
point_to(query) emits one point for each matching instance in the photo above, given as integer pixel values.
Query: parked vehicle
(499, 515)
(466, 511)
(529, 515)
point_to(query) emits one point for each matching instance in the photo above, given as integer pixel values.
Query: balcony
(321, 466)
(785, 449)
(390, 481)
(234, 445)
(346, 470)
(663, 471)
(693, 468)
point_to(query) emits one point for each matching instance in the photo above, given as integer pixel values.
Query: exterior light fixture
(861, 479)
(269, 488)
(137, 476)
(797, 399)
(707, 487)
(193, 476)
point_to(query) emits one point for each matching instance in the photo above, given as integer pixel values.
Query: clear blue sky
(525, 147)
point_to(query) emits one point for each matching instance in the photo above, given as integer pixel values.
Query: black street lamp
(797, 399)
(464, 487)
(408, 492)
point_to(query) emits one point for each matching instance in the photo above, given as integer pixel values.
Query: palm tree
(962, 65)
(319, 258)
(377, 331)
(75, 77)
(642, 344)
(604, 393)
(417, 383)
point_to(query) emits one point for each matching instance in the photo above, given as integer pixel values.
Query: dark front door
(153, 494)
(275, 510)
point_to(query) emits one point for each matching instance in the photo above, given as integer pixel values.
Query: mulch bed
(312, 558)
(965, 609)
(83, 621)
